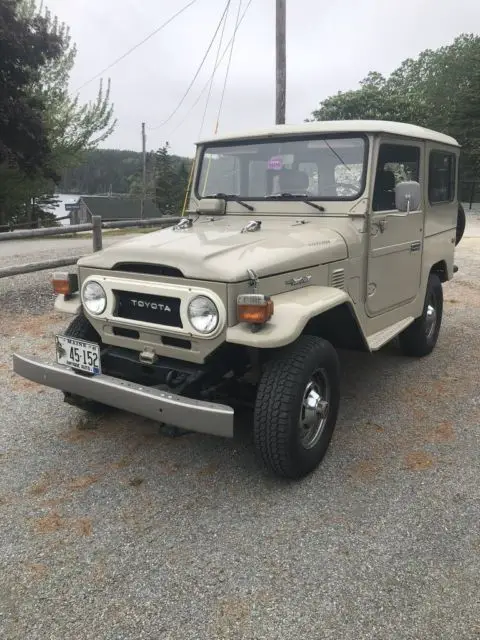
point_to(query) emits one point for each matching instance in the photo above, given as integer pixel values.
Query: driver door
(396, 238)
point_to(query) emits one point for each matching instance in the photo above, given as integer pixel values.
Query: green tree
(171, 180)
(27, 46)
(439, 89)
(71, 128)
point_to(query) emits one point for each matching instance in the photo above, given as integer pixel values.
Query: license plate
(78, 354)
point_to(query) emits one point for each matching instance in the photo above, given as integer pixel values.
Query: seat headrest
(385, 180)
(292, 181)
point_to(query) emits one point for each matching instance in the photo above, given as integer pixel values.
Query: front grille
(148, 269)
(147, 308)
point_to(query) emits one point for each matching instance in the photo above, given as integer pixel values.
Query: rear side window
(441, 177)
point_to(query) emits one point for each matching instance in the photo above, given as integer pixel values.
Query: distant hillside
(105, 170)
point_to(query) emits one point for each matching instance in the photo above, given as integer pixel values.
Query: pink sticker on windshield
(275, 163)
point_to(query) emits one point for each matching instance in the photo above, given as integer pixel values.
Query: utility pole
(144, 171)
(281, 61)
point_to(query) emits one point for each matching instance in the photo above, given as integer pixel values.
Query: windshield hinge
(253, 225)
(253, 279)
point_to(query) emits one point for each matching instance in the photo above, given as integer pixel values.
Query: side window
(396, 163)
(441, 177)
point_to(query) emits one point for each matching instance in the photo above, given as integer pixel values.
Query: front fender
(292, 311)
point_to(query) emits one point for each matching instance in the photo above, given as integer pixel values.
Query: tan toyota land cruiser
(298, 240)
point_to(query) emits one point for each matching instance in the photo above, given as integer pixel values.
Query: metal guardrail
(97, 240)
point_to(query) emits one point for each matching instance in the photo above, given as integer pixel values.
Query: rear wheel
(81, 328)
(296, 407)
(420, 338)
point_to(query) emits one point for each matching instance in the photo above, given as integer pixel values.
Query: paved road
(110, 531)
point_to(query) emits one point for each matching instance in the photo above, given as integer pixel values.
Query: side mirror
(408, 196)
(213, 206)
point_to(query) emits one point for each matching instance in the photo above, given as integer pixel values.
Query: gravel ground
(111, 531)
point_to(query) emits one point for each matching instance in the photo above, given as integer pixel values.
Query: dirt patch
(36, 569)
(36, 326)
(123, 463)
(82, 482)
(136, 482)
(444, 432)
(22, 384)
(84, 526)
(41, 487)
(54, 522)
(233, 613)
(210, 470)
(77, 435)
(418, 461)
(49, 524)
(4, 500)
(365, 470)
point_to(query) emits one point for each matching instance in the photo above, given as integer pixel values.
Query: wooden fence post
(97, 233)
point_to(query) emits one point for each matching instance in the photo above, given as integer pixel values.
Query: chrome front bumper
(161, 406)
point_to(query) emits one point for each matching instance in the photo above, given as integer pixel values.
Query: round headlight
(203, 314)
(94, 297)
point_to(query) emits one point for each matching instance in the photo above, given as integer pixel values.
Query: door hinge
(416, 246)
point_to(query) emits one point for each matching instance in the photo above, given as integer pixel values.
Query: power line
(228, 66)
(139, 44)
(225, 51)
(219, 48)
(200, 67)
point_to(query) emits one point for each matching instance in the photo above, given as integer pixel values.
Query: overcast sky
(330, 47)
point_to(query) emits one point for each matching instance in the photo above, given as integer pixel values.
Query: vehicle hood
(219, 251)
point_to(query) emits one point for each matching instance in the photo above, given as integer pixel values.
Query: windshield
(320, 168)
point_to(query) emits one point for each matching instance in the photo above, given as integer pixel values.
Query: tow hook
(147, 357)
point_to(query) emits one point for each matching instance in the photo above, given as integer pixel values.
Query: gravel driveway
(111, 531)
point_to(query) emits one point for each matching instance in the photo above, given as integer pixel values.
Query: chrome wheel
(431, 316)
(314, 411)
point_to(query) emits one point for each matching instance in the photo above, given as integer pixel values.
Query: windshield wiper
(303, 198)
(232, 196)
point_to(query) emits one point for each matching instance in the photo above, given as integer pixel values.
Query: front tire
(81, 328)
(296, 407)
(419, 339)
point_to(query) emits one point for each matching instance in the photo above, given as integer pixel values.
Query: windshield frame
(212, 144)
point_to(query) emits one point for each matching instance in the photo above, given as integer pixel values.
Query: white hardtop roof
(341, 126)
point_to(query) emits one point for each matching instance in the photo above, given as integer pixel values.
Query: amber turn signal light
(65, 283)
(254, 308)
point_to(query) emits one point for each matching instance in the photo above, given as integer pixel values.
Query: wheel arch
(339, 326)
(325, 312)
(441, 270)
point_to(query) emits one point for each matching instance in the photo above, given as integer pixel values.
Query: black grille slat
(148, 269)
(148, 308)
